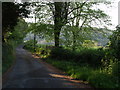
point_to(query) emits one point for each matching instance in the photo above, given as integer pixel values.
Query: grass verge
(94, 77)
(8, 56)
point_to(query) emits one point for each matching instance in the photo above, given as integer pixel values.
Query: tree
(75, 13)
(20, 31)
(60, 19)
(81, 17)
(65, 13)
(42, 30)
(115, 42)
(60, 11)
(10, 13)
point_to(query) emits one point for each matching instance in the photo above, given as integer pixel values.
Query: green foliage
(42, 30)
(116, 72)
(89, 43)
(115, 42)
(102, 80)
(73, 37)
(42, 51)
(72, 69)
(29, 45)
(81, 72)
(19, 31)
(116, 69)
(84, 64)
(10, 14)
(7, 56)
(105, 76)
(94, 77)
(61, 53)
(90, 56)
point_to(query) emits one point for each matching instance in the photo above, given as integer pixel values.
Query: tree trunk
(57, 22)
(60, 19)
(74, 41)
(57, 34)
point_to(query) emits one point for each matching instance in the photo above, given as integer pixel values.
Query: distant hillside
(102, 36)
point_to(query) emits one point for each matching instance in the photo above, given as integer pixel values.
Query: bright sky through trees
(111, 11)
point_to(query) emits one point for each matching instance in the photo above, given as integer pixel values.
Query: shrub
(116, 69)
(102, 80)
(82, 72)
(72, 69)
(29, 45)
(90, 56)
(89, 43)
(111, 67)
(61, 54)
(7, 56)
(115, 42)
(95, 77)
(116, 72)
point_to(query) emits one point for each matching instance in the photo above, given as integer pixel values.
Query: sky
(111, 11)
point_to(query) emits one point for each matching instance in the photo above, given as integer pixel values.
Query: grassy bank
(8, 55)
(95, 77)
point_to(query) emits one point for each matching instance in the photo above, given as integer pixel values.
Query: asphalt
(28, 72)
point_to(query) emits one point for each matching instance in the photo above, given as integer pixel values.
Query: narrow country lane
(29, 73)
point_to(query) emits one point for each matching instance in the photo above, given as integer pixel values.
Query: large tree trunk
(60, 18)
(57, 35)
(57, 22)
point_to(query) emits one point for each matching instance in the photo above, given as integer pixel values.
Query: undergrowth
(95, 77)
(8, 56)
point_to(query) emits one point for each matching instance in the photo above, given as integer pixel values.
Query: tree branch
(77, 7)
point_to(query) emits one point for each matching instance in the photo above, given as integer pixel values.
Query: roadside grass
(7, 57)
(73, 69)
(95, 77)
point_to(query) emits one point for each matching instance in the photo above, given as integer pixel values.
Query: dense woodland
(80, 49)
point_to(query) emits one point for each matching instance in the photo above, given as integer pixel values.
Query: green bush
(61, 54)
(82, 72)
(72, 69)
(116, 69)
(7, 56)
(116, 72)
(102, 80)
(29, 45)
(115, 42)
(111, 67)
(95, 77)
(90, 56)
